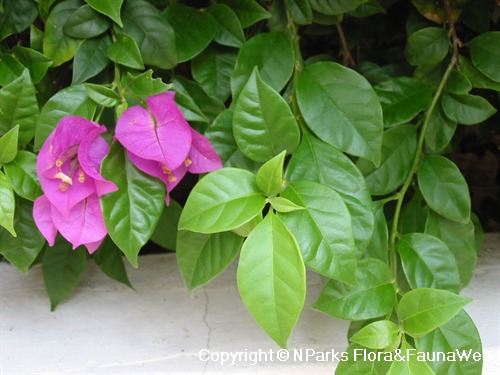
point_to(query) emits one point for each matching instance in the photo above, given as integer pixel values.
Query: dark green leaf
(103, 95)
(166, 230)
(10, 69)
(301, 12)
(7, 205)
(440, 130)
(270, 175)
(423, 310)
(229, 30)
(272, 279)
(62, 270)
(17, 16)
(272, 54)
(90, 59)
(221, 201)
(485, 53)
(341, 107)
(263, 123)
(478, 79)
(323, 230)
(110, 8)
(19, 106)
(109, 259)
(382, 334)
(72, 100)
(444, 188)
(37, 63)
(428, 262)
(21, 251)
(458, 83)
(427, 46)
(152, 33)
(373, 295)
(402, 99)
(36, 38)
(201, 257)
(467, 109)
(334, 7)
(248, 11)
(378, 247)
(22, 175)
(125, 51)
(414, 215)
(8, 145)
(85, 23)
(367, 9)
(132, 212)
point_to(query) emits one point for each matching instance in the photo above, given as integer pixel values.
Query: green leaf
(37, 63)
(367, 9)
(248, 11)
(378, 246)
(245, 229)
(458, 83)
(410, 364)
(110, 8)
(109, 259)
(334, 7)
(17, 16)
(166, 230)
(85, 23)
(10, 69)
(124, 51)
(402, 99)
(201, 257)
(353, 363)
(263, 123)
(382, 334)
(281, 204)
(444, 188)
(373, 295)
(72, 100)
(478, 79)
(467, 109)
(421, 311)
(270, 175)
(22, 175)
(144, 84)
(19, 106)
(103, 95)
(459, 335)
(414, 215)
(152, 33)
(271, 278)
(485, 53)
(462, 246)
(427, 46)
(21, 251)
(62, 270)
(8, 145)
(440, 130)
(323, 230)
(328, 94)
(57, 46)
(132, 212)
(229, 30)
(428, 262)
(399, 145)
(194, 30)
(212, 70)
(221, 201)
(36, 38)
(7, 205)
(320, 162)
(90, 59)
(301, 12)
(272, 54)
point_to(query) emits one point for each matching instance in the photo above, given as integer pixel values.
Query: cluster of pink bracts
(158, 141)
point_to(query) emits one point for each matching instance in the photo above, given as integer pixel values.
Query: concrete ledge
(107, 328)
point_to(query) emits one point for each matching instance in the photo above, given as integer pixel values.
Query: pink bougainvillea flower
(163, 145)
(68, 168)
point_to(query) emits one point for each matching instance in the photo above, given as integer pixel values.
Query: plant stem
(413, 171)
(348, 60)
(454, 38)
(298, 61)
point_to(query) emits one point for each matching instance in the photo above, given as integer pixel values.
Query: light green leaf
(271, 278)
(37, 63)
(85, 23)
(19, 106)
(62, 270)
(334, 7)
(201, 257)
(109, 259)
(272, 54)
(427, 46)
(229, 30)
(132, 212)
(410, 365)
(102, 95)
(166, 232)
(110, 8)
(22, 175)
(341, 107)
(323, 229)
(353, 364)
(248, 11)
(194, 30)
(8, 145)
(485, 53)
(399, 145)
(263, 123)
(282, 205)
(7, 205)
(402, 99)
(373, 295)
(320, 162)
(382, 334)
(17, 16)
(90, 59)
(270, 175)
(428, 262)
(421, 311)
(221, 201)
(144, 84)
(10, 69)
(444, 188)
(124, 51)
(467, 109)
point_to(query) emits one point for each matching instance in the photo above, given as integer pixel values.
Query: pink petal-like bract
(43, 219)
(84, 225)
(158, 133)
(202, 155)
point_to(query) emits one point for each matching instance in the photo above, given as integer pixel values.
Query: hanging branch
(454, 38)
